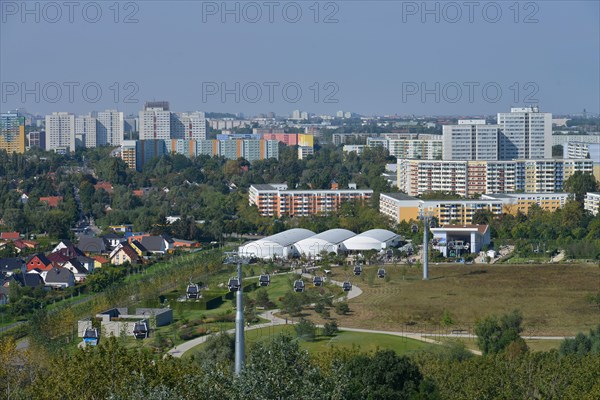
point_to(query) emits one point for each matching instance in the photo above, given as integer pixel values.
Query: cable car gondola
(140, 330)
(91, 337)
(264, 280)
(347, 286)
(299, 286)
(318, 281)
(233, 284)
(357, 270)
(193, 291)
(381, 273)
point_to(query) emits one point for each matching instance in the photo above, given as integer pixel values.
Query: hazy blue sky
(375, 59)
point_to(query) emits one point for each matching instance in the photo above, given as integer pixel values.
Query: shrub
(342, 308)
(306, 330)
(330, 328)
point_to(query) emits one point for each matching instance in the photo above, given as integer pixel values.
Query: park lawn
(552, 298)
(362, 342)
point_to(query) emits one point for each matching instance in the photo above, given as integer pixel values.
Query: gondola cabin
(318, 281)
(264, 280)
(234, 284)
(357, 270)
(193, 291)
(299, 286)
(381, 273)
(347, 286)
(140, 330)
(91, 337)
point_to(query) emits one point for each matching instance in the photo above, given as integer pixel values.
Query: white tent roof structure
(327, 241)
(375, 239)
(289, 237)
(278, 245)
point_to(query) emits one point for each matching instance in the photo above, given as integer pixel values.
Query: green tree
(262, 298)
(279, 369)
(582, 344)
(292, 303)
(330, 328)
(305, 330)
(495, 334)
(384, 375)
(218, 349)
(342, 308)
(580, 183)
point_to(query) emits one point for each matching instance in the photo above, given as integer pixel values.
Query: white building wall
(111, 126)
(60, 131)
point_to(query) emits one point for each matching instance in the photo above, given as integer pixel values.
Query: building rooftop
(399, 196)
(480, 228)
(289, 237)
(333, 236)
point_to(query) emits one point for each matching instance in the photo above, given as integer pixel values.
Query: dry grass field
(552, 298)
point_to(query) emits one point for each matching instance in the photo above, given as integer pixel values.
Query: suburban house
(124, 253)
(60, 278)
(51, 201)
(139, 248)
(10, 235)
(23, 245)
(100, 261)
(87, 262)
(39, 261)
(113, 239)
(158, 244)
(131, 236)
(93, 245)
(8, 266)
(185, 244)
(58, 259)
(32, 279)
(78, 270)
(104, 185)
(67, 248)
(121, 228)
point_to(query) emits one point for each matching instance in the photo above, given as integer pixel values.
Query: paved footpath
(274, 320)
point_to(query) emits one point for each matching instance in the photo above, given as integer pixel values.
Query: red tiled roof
(101, 260)
(58, 258)
(104, 185)
(22, 244)
(10, 235)
(52, 201)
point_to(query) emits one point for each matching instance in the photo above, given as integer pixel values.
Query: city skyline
(357, 57)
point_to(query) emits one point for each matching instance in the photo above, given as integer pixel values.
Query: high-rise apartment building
(471, 140)
(60, 132)
(468, 178)
(188, 126)
(155, 123)
(86, 131)
(526, 133)
(37, 139)
(137, 153)
(111, 126)
(12, 133)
